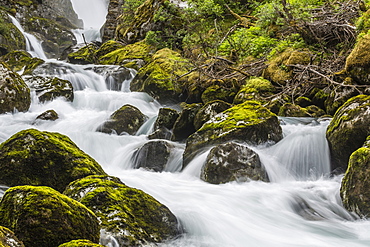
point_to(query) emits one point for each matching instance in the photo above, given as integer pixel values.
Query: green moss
(8, 239)
(43, 158)
(291, 110)
(217, 92)
(11, 38)
(130, 215)
(85, 55)
(80, 243)
(16, 60)
(41, 216)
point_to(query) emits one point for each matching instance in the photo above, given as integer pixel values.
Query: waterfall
(300, 207)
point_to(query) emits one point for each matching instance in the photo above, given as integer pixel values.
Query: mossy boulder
(315, 111)
(184, 125)
(166, 118)
(41, 216)
(358, 62)
(84, 55)
(348, 130)
(128, 119)
(131, 216)
(49, 88)
(153, 155)
(232, 162)
(254, 89)
(49, 115)
(249, 122)
(159, 77)
(208, 111)
(16, 60)
(355, 191)
(279, 70)
(8, 239)
(80, 243)
(33, 157)
(292, 110)
(11, 38)
(217, 92)
(131, 56)
(14, 93)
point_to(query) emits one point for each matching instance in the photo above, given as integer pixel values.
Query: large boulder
(355, 191)
(348, 130)
(254, 89)
(184, 125)
(153, 156)
(128, 119)
(131, 216)
(208, 111)
(33, 157)
(358, 62)
(49, 88)
(8, 239)
(14, 93)
(232, 162)
(249, 122)
(11, 38)
(159, 77)
(41, 216)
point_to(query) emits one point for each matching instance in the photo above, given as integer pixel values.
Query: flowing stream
(301, 205)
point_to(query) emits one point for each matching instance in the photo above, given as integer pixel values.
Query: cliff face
(114, 11)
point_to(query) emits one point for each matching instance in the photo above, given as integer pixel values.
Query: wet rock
(115, 76)
(208, 111)
(81, 243)
(248, 122)
(184, 125)
(16, 60)
(153, 156)
(128, 119)
(49, 115)
(166, 118)
(232, 162)
(114, 11)
(216, 92)
(84, 55)
(348, 130)
(14, 93)
(161, 133)
(358, 62)
(292, 110)
(45, 217)
(32, 157)
(131, 216)
(354, 190)
(8, 239)
(49, 88)
(11, 38)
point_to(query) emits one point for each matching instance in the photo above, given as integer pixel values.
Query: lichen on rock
(41, 216)
(8, 239)
(33, 157)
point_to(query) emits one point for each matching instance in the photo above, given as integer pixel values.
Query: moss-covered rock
(32, 157)
(208, 111)
(127, 119)
(232, 162)
(8, 239)
(292, 110)
(11, 38)
(131, 216)
(249, 122)
(131, 56)
(338, 97)
(14, 93)
(184, 125)
(80, 243)
(16, 60)
(348, 130)
(358, 62)
(254, 89)
(217, 92)
(355, 191)
(278, 70)
(49, 115)
(49, 88)
(84, 55)
(41, 216)
(166, 118)
(153, 155)
(315, 111)
(159, 77)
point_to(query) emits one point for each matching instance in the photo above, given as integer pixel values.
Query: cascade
(301, 206)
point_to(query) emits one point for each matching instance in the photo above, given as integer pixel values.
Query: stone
(33, 157)
(41, 216)
(80, 243)
(184, 125)
(208, 111)
(11, 39)
(8, 239)
(292, 110)
(49, 115)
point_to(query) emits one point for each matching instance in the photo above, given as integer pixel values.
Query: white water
(300, 207)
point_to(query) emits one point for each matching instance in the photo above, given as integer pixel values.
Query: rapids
(301, 206)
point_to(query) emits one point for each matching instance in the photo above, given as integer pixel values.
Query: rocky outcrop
(128, 119)
(41, 216)
(49, 88)
(32, 157)
(14, 93)
(248, 122)
(8, 239)
(131, 216)
(153, 155)
(348, 130)
(114, 11)
(355, 191)
(11, 38)
(158, 78)
(232, 162)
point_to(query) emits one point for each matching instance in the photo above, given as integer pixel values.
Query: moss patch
(80, 243)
